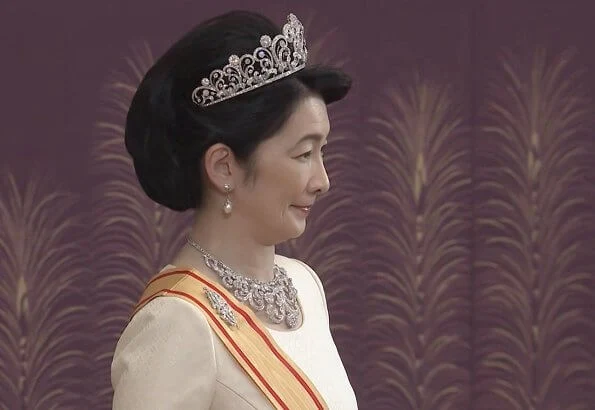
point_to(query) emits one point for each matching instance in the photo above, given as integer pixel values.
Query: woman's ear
(219, 164)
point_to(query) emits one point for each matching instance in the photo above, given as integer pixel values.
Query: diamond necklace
(277, 297)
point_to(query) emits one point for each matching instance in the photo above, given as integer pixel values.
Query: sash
(281, 380)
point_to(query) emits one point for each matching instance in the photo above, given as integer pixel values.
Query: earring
(227, 205)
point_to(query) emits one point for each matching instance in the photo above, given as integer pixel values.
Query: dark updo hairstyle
(167, 134)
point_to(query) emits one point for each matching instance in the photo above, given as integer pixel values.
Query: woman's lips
(305, 209)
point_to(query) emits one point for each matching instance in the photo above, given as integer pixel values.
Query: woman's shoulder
(170, 311)
(164, 320)
(159, 351)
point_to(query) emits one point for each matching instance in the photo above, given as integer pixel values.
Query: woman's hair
(167, 134)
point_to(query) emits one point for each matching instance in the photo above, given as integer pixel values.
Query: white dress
(168, 357)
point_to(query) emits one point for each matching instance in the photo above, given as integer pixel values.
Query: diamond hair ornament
(275, 59)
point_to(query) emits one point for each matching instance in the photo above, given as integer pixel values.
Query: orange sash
(281, 380)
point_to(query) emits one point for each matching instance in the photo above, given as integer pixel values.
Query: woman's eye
(308, 154)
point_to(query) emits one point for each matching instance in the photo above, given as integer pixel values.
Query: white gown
(168, 357)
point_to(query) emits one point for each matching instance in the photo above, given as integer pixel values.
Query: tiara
(275, 59)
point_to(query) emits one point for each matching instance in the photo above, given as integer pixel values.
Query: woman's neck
(231, 242)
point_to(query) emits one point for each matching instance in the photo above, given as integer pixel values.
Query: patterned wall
(456, 244)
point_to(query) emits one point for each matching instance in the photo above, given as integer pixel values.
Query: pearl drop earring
(227, 207)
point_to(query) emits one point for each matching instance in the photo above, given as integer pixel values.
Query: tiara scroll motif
(275, 59)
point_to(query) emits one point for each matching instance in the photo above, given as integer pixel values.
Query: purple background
(455, 245)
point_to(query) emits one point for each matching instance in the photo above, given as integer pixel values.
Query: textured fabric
(253, 347)
(168, 357)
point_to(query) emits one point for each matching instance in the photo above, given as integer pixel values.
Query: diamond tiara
(275, 59)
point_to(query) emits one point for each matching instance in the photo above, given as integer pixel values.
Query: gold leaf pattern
(418, 255)
(533, 280)
(42, 301)
(133, 238)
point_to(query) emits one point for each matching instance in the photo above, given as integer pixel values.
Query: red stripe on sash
(253, 325)
(236, 347)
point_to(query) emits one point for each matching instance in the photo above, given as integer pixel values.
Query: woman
(231, 122)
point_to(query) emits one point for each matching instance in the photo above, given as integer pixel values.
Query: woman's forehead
(309, 121)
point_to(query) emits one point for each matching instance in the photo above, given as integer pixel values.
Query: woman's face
(289, 174)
